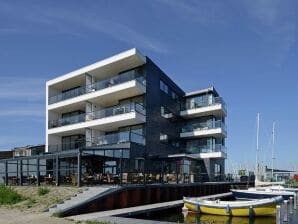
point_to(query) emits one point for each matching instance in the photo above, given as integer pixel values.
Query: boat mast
(257, 148)
(273, 142)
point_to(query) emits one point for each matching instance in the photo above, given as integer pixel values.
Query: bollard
(291, 205)
(251, 212)
(286, 211)
(295, 201)
(277, 214)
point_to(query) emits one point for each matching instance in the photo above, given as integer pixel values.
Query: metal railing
(106, 112)
(115, 80)
(110, 139)
(67, 146)
(205, 103)
(118, 138)
(204, 126)
(206, 148)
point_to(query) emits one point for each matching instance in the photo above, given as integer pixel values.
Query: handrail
(116, 138)
(102, 84)
(106, 112)
(206, 103)
(204, 126)
(207, 148)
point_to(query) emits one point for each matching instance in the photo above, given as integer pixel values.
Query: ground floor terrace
(101, 166)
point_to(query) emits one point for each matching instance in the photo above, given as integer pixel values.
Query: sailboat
(269, 190)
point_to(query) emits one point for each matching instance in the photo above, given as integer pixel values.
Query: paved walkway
(138, 209)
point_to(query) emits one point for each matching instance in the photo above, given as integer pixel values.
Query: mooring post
(251, 212)
(291, 205)
(277, 214)
(286, 211)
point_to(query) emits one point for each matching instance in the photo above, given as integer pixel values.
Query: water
(176, 216)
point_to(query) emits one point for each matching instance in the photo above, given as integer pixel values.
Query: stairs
(80, 198)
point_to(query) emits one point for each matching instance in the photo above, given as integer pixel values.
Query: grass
(9, 196)
(42, 191)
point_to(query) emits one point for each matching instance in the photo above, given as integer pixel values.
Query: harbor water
(176, 215)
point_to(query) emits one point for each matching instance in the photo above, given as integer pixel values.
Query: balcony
(214, 129)
(105, 119)
(208, 151)
(126, 84)
(216, 107)
(119, 140)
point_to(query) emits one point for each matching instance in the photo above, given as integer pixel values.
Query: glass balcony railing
(115, 80)
(67, 146)
(110, 139)
(205, 103)
(106, 112)
(206, 148)
(204, 126)
(119, 137)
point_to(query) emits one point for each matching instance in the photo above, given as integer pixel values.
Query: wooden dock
(138, 209)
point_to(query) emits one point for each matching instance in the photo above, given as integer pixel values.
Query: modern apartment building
(129, 115)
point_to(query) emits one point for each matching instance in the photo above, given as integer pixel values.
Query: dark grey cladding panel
(155, 123)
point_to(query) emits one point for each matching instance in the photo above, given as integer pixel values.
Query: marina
(148, 112)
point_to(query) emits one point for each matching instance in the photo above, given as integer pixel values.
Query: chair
(157, 178)
(110, 179)
(74, 180)
(124, 178)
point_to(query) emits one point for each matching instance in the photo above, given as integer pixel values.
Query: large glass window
(73, 142)
(199, 101)
(163, 87)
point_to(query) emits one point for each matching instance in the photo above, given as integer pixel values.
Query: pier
(139, 209)
(140, 195)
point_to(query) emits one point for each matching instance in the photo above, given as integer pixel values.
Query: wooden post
(251, 212)
(286, 211)
(277, 214)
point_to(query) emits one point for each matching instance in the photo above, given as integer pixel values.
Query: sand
(14, 216)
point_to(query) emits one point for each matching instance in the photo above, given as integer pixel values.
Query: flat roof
(202, 91)
(132, 53)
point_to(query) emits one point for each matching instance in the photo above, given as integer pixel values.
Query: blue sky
(247, 49)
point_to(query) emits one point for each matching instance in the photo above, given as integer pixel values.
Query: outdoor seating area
(79, 168)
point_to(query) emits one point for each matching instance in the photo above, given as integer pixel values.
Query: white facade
(92, 94)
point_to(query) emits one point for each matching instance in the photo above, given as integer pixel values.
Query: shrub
(9, 196)
(42, 191)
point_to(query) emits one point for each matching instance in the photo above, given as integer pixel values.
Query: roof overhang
(117, 63)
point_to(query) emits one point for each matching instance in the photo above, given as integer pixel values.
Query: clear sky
(247, 49)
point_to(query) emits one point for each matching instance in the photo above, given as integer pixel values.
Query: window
(199, 101)
(217, 169)
(163, 137)
(163, 87)
(165, 112)
(174, 95)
